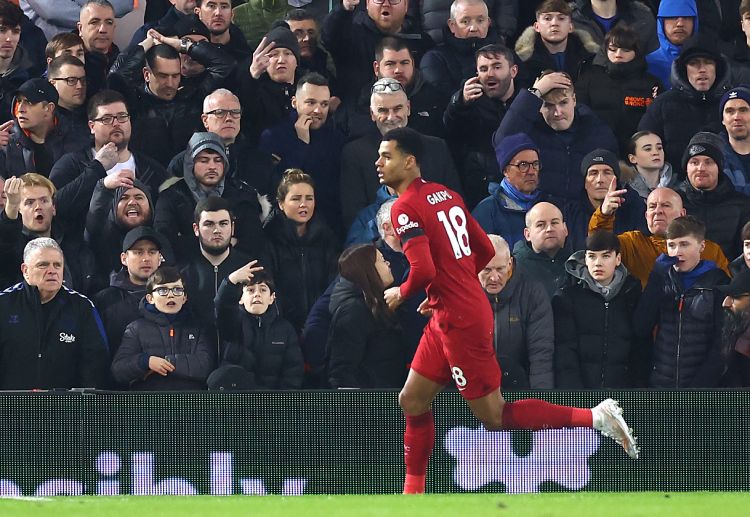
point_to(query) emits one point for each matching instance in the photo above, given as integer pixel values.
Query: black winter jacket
(524, 338)
(189, 348)
(362, 351)
(264, 101)
(679, 113)
(619, 95)
(118, 305)
(595, 345)
(266, 346)
(162, 128)
(435, 14)
(723, 210)
(687, 349)
(60, 344)
(302, 266)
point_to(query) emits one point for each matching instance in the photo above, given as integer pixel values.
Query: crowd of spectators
(201, 209)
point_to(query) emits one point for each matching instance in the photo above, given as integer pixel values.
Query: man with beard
(307, 141)
(204, 272)
(110, 160)
(475, 112)
(736, 329)
(205, 165)
(217, 16)
(389, 109)
(118, 304)
(222, 114)
(469, 29)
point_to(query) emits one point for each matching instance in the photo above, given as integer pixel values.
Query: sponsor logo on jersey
(408, 226)
(403, 219)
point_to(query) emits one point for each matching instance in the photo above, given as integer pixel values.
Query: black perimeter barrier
(350, 442)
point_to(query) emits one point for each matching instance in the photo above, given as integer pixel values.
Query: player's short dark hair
(602, 240)
(211, 204)
(300, 15)
(633, 142)
(313, 78)
(262, 277)
(60, 42)
(408, 141)
(163, 275)
(390, 43)
(53, 69)
(494, 51)
(622, 36)
(554, 6)
(104, 98)
(162, 51)
(685, 226)
(10, 14)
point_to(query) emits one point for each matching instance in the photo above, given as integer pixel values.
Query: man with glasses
(222, 115)
(503, 213)
(564, 131)
(111, 161)
(118, 304)
(165, 113)
(736, 329)
(351, 34)
(35, 140)
(68, 75)
(389, 109)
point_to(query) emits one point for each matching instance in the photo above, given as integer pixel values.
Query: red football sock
(536, 414)
(419, 439)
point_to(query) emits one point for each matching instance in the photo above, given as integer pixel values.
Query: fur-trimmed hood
(527, 41)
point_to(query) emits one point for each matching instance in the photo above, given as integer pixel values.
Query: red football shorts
(464, 354)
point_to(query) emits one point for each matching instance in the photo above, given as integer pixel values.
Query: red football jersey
(446, 249)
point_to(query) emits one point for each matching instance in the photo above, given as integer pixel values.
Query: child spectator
(162, 350)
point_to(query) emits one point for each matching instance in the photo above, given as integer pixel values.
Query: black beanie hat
(704, 144)
(283, 36)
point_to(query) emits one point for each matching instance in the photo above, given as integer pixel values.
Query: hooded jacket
(535, 58)
(104, 234)
(176, 204)
(660, 60)
(60, 344)
(677, 114)
(723, 210)
(667, 178)
(595, 345)
(523, 337)
(363, 352)
(619, 95)
(449, 64)
(162, 128)
(118, 305)
(549, 271)
(266, 346)
(187, 347)
(561, 152)
(302, 266)
(686, 351)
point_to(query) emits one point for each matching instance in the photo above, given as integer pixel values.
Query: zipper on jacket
(606, 343)
(304, 278)
(679, 339)
(171, 339)
(216, 290)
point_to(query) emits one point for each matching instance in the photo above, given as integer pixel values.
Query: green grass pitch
(646, 504)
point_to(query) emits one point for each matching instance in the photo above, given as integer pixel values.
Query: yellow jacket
(639, 251)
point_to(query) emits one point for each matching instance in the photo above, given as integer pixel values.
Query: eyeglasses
(108, 120)
(524, 166)
(234, 113)
(390, 2)
(394, 86)
(164, 291)
(71, 81)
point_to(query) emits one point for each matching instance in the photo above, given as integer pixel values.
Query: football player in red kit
(446, 249)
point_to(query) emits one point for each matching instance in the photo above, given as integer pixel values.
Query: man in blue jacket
(676, 22)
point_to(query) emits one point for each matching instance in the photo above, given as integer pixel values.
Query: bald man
(544, 251)
(639, 251)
